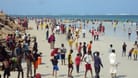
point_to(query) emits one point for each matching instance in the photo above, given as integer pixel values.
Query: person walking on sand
(51, 40)
(129, 33)
(63, 54)
(47, 32)
(29, 57)
(6, 65)
(97, 64)
(55, 66)
(19, 53)
(83, 32)
(35, 61)
(88, 60)
(130, 53)
(71, 41)
(80, 48)
(124, 46)
(135, 51)
(89, 48)
(84, 49)
(77, 62)
(70, 64)
(113, 64)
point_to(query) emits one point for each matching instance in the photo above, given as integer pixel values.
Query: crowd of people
(27, 49)
(17, 49)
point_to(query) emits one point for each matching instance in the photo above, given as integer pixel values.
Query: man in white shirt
(88, 59)
(113, 64)
(83, 32)
(58, 29)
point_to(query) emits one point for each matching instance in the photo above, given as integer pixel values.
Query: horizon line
(125, 14)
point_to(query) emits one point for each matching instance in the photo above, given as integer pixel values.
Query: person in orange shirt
(89, 48)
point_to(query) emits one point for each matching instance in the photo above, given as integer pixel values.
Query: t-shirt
(54, 61)
(77, 60)
(79, 48)
(70, 59)
(84, 48)
(63, 50)
(112, 58)
(87, 59)
(89, 47)
(70, 42)
(19, 51)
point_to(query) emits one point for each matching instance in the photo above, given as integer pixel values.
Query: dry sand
(126, 69)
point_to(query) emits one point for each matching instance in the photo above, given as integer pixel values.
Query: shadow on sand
(121, 76)
(44, 75)
(62, 75)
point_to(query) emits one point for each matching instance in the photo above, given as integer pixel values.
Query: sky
(69, 7)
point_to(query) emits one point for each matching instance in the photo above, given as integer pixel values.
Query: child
(77, 62)
(55, 66)
(130, 53)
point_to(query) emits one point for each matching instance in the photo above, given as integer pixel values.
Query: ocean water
(122, 18)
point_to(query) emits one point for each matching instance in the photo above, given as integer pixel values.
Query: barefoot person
(51, 40)
(113, 64)
(70, 63)
(55, 66)
(77, 62)
(84, 47)
(88, 60)
(6, 68)
(124, 46)
(97, 64)
(63, 53)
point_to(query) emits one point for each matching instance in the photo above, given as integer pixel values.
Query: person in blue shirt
(97, 64)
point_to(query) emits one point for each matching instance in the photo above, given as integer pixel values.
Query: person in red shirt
(79, 48)
(92, 32)
(77, 62)
(54, 52)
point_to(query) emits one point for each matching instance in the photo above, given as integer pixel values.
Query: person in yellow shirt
(70, 63)
(71, 41)
(76, 41)
(135, 51)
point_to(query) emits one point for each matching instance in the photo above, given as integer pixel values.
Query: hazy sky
(75, 7)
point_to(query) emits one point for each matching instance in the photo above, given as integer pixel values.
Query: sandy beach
(126, 68)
